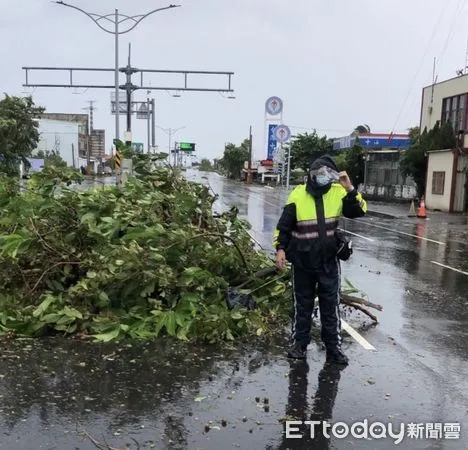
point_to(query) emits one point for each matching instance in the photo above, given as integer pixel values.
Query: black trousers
(326, 284)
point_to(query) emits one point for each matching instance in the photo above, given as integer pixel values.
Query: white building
(61, 137)
(447, 169)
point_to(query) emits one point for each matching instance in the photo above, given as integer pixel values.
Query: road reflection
(321, 407)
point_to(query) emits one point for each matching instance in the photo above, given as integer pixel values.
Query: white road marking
(448, 267)
(397, 231)
(358, 235)
(357, 337)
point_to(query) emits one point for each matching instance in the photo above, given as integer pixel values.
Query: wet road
(165, 396)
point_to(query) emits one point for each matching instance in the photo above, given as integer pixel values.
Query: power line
(434, 31)
(452, 28)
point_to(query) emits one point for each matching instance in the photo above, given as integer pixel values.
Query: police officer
(313, 248)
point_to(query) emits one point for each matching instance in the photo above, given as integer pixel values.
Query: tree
(355, 164)
(361, 129)
(205, 165)
(19, 132)
(413, 162)
(305, 148)
(52, 158)
(234, 158)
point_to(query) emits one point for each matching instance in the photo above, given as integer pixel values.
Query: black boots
(297, 351)
(336, 356)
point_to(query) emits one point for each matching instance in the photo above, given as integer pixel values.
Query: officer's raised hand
(345, 181)
(280, 259)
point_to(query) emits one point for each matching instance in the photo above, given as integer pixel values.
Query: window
(454, 110)
(438, 183)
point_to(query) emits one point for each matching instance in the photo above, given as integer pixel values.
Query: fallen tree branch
(363, 310)
(38, 282)
(97, 444)
(349, 300)
(220, 235)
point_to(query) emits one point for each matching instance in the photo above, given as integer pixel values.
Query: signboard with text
(272, 142)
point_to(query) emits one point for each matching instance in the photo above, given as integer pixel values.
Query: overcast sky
(334, 63)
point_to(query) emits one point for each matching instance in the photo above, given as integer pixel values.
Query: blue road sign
(378, 142)
(272, 142)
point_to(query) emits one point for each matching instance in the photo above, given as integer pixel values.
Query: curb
(381, 215)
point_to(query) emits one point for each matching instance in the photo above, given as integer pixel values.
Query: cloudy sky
(335, 63)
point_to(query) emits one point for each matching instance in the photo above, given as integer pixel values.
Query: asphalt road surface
(409, 371)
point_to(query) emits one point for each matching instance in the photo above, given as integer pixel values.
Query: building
(82, 120)
(61, 137)
(447, 180)
(382, 178)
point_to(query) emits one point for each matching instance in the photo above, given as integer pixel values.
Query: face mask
(323, 176)
(323, 180)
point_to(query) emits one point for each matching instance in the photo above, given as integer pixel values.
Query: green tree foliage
(413, 162)
(141, 261)
(205, 165)
(305, 148)
(234, 158)
(355, 163)
(51, 158)
(361, 129)
(352, 161)
(19, 133)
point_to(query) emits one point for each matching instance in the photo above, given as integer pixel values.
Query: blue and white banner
(272, 142)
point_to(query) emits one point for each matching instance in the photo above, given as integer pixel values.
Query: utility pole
(91, 110)
(249, 170)
(148, 122)
(289, 167)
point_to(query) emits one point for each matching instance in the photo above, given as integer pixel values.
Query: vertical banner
(272, 142)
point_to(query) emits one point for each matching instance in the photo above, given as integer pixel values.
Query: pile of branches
(147, 259)
(138, 261)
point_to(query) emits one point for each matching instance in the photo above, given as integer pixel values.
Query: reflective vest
(306, 229)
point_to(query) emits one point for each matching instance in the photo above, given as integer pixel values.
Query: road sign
(274, 106)
(272, 142)
(137, 147)
(282, 133)
(186, 147)
(143, 111)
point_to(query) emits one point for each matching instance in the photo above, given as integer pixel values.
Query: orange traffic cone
(422, 209)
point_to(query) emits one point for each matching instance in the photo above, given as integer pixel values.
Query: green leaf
(171, 323)
(237, 315)
(51, 318)
(72, 312)
(107, 337)
(44, 306)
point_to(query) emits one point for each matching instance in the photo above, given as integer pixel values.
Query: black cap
(325, 160)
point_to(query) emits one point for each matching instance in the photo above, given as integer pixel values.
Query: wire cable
(434, 31)
(452, 30)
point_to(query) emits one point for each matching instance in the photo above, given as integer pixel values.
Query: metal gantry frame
(116, 19)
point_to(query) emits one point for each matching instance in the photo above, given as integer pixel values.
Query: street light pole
(289, 167)
(170, 132)
(116, 21)
(117, 103)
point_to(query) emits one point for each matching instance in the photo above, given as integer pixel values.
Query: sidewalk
(388, 210)
(401, 211)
